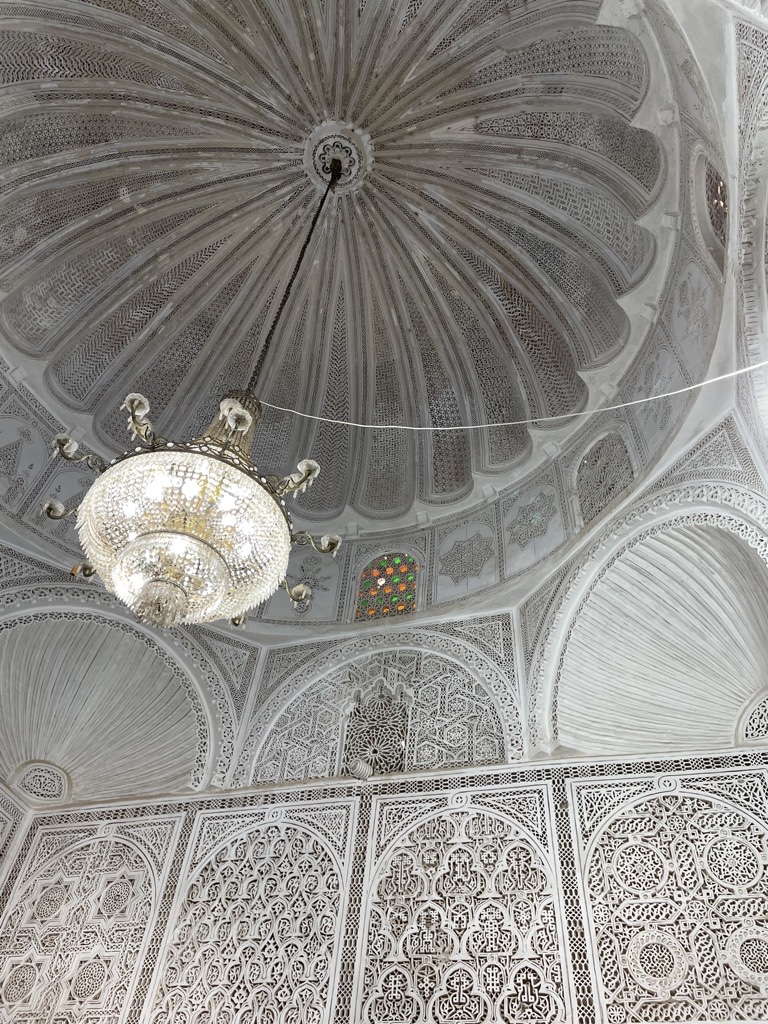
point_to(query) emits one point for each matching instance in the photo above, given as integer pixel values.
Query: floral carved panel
(461, 922)
(257, 926)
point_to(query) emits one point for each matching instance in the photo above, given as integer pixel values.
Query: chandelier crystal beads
(191, 531)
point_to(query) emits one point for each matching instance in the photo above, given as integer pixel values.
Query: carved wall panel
(693, 313)
(257, 930)
(22, 454)
(658, 374)
(605, 470)
(468, 560)
(74, 935)
(571, 893)
(676, 890)
(534, 523)
(461, 922)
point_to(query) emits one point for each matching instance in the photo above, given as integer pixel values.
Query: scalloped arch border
(498, 686)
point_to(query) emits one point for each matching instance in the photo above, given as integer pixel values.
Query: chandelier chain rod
(332, 182)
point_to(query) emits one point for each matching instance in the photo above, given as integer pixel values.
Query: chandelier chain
(333, 181)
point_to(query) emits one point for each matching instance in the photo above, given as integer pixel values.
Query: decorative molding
(377, 902)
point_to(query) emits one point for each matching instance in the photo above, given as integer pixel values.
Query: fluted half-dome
(100, 702)
(163, 161)
(669, 647)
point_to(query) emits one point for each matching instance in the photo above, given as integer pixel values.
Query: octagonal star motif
(467, 558)
(533, 519)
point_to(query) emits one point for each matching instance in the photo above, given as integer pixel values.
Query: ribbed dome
(163, 164)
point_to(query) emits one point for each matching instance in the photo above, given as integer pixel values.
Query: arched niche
(408, 709)
(103, 701)
(664, 646)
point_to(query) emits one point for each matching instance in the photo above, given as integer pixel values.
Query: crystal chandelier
(192, 531)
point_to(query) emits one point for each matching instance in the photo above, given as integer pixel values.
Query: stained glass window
(387, 587)
(717, 202)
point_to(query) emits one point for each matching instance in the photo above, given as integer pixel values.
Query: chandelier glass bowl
(186, 534)
(191, 531)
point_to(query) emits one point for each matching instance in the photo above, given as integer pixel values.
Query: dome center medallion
(338, 140)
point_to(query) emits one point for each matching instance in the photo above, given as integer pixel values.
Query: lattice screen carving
(256, 933)
(377, 731)
(43, 781)
(756, 726)
(407, 709)
(462, 926)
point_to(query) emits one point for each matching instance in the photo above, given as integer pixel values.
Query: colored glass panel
(387, 587)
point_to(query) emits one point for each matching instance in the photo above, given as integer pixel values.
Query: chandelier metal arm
(66, 448)
(332, 183)
(139, 425)
(55, 510)
(84, 569)
(306, 473)
(299, 594)
(327, 545)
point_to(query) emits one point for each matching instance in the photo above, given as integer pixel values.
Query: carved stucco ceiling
(161, 168)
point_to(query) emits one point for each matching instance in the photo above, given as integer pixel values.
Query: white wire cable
(525, 423)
